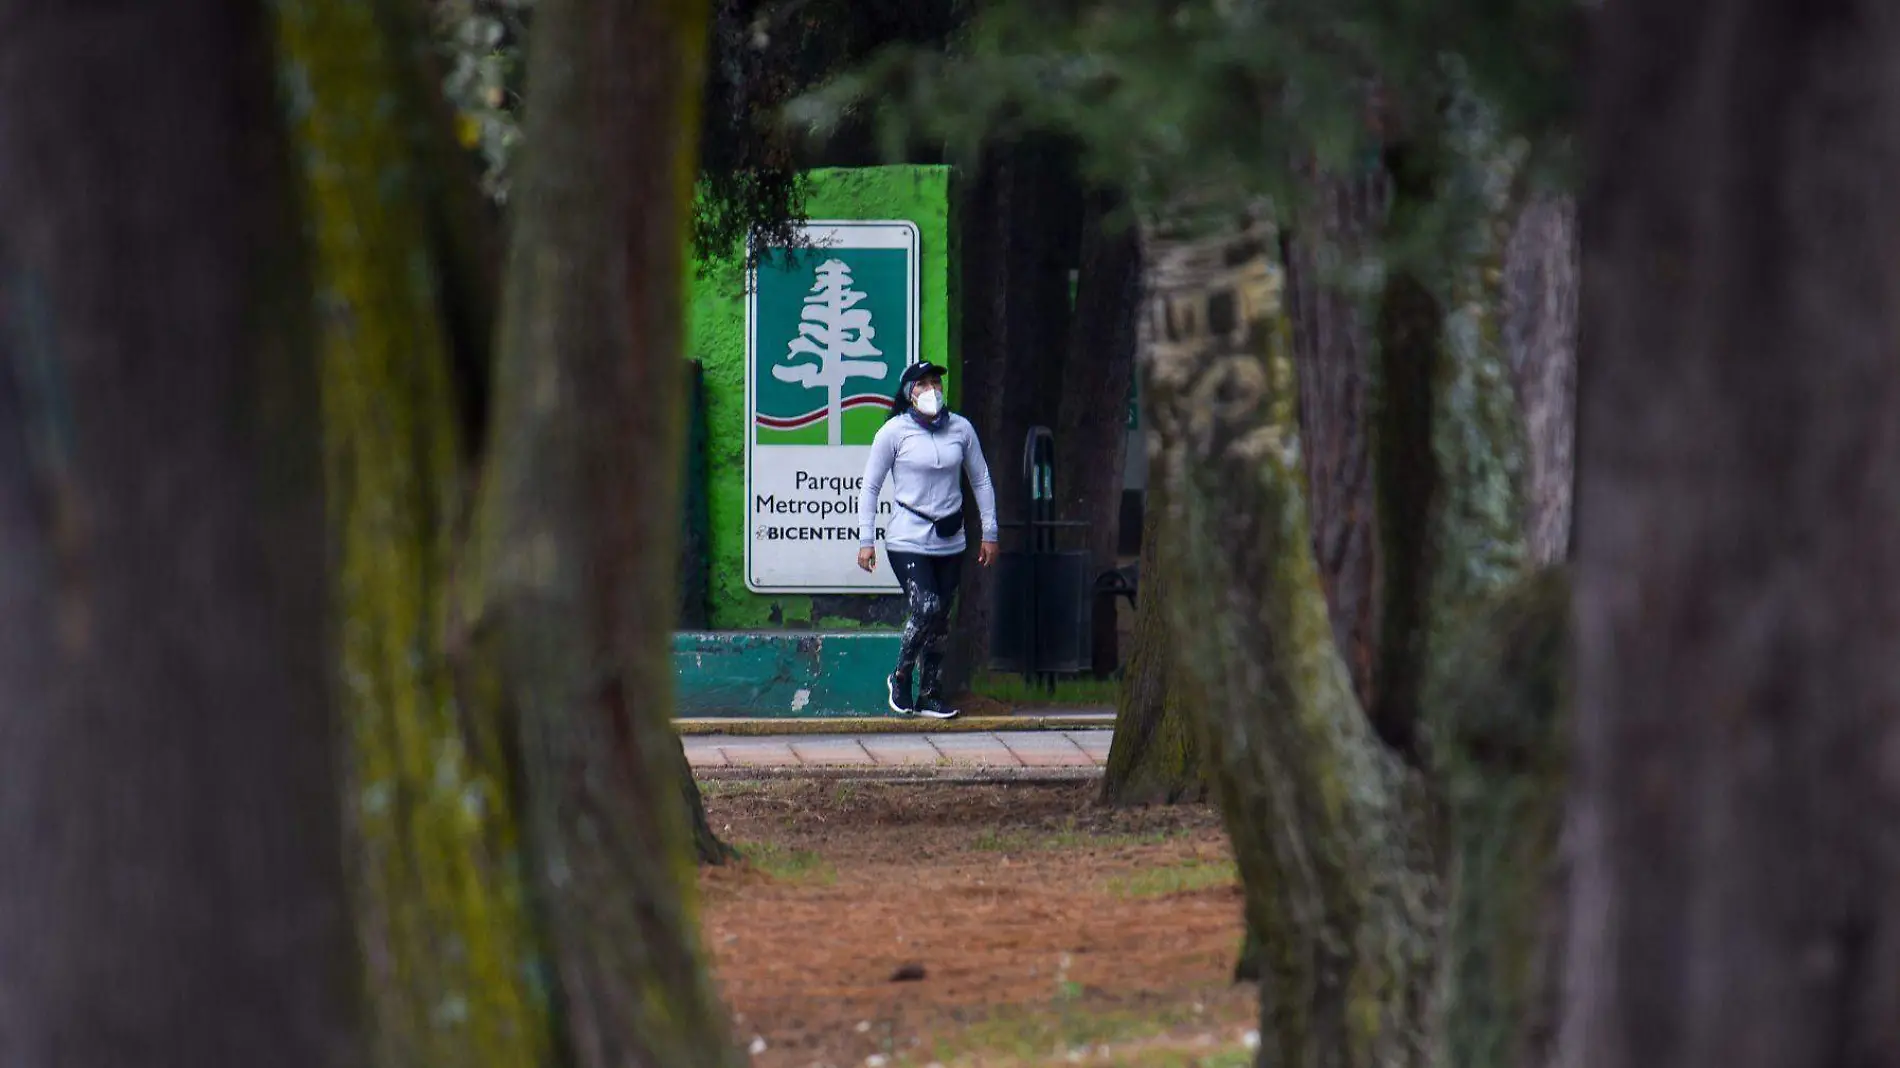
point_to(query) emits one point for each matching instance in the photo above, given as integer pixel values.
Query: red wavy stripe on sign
(794, 422)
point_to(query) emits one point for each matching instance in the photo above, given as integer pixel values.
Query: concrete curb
(944, 776)
(893, 725)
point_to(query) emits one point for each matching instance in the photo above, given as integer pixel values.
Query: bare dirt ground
(1047, 930)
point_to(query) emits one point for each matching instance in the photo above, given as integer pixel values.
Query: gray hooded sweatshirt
(922, 464)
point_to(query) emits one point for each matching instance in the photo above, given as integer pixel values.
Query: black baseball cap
(915, 371)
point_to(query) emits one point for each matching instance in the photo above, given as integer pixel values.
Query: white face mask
(929, 402)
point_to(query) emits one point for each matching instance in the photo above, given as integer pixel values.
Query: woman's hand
(867, 558)
(986, 553)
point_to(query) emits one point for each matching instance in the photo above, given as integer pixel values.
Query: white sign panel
(829, 329)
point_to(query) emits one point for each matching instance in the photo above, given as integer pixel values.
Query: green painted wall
(774, 674)
(716, 338)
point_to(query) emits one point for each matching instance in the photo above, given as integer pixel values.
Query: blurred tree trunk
(1018, 221)
(173, 891)
(1332, 346)
(1365, 366)
(579, 528)
(1499, 696)
(1092, 402)
(1158, 753)
(435, 777)
(1502, 682)
(1493, 633)
(1540, 333)
(1329, 825)
(1410, 325)
(1339, 820)
(430, 787)
(1738, 542)
(693, 577)
(1332, 349)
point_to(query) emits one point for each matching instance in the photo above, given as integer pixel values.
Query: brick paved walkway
(1076, 750)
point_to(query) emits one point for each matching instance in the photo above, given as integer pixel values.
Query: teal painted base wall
(781, 674)
(716, 339)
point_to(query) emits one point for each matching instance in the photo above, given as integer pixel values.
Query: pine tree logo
(833, 343)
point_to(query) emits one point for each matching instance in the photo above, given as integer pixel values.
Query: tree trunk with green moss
(1498, 694)
(1156, 755)
(1353, 831)
(1331, 829)
(1501, 691)
(578, 524)
(407, 276)
(430, 792)
(173, 892)
(1330, 341)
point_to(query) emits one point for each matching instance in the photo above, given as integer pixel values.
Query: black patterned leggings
(930, 582)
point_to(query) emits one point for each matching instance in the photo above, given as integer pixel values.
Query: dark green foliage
(762, 54)
(749, 183)
(1205, 104)
(765, 53)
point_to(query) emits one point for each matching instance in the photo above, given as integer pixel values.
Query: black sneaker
(931, 708)
(897, 692)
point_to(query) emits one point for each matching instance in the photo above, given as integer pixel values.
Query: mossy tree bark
(1331, 342)
(1495, 642)
(225, 566)
(1330, 827)
(1351, 831)
(430, 788)
(1738, 542)
(407, 274)
(1501, 690)
(1156, 756)
(173, 890)
(578, 527)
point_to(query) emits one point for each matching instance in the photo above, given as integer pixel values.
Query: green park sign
(830, 325)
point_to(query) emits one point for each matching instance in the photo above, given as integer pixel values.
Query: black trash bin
(1042, 622)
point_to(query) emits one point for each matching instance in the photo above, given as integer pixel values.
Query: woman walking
(922, 449)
